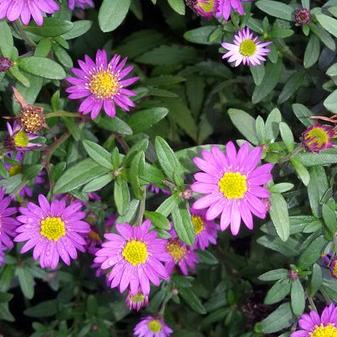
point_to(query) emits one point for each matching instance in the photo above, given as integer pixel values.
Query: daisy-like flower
(246, 48)
(55, 230)
(25, 9)
(2, 255)
(224, 8)
(7, 223)
(314, 325)
(204, 8)
(233, 184)
(19, 140)
(318, 137)
(136, 301)
(152, 326)
(135, 255)
(102, 85)
(181, 255)
(83, 4)
(206, 231)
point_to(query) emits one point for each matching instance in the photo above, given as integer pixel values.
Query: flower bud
(5, 64)
(302, 16)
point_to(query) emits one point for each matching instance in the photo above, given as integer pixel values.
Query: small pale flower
(135, 257)
(246, 48)
(224, 8)
(233, 184)
(136, 301)
(83, 4)
(318, 137)
(53, 230)
(152, 326)
(204, 8)
(102, 85)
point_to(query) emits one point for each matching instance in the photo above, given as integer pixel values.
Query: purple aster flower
(233, 184)
(5, 64)
(246, 48)
(7, 223)
(152, 326)
(110, 221)
(83, 4)
(2, 255)
(25, 9)
(55, 230)
(318, 137)
(206, 231)
(156, 190)
(313, 325)
(136, 301)
(204, 8)
(135, 255)
(180, 254)
(102, 85)
(224, 8)
(19, 140)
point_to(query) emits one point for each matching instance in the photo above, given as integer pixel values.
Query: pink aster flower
(135, 255)
(180, 254)
(55, 230)
(2, 255)
(152, 326)
(233, 184)
(25, 9)
(204, 8)
(157, 190)
(224, 8)
(314, 325)
(206, 231)
(102, 85)
(318, 137)
(246, 48)
(83, 4)
(136, 301)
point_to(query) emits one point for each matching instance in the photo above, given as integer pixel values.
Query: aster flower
(18, 139)
(204, 8)
(102, 85)
(157, 190)
(180, 254)
(233, 184)
(83, 4)
(152, 326)
(224, 8)
(135, 255)
(55, 230)
(246, 48)
(2, 255)
(136, 301)
(318, 137)
(25, 9)
(206, 231)
(314, 325)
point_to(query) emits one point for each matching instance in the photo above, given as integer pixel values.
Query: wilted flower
(302, 16)
(246, 48)
(203, 8)
(5, 64)
(136, 301)
(25, 9)
(80, 4)
(32, 118)
(224, 8)
(313, 325)
(54, 230)
(135, 255)
(102, 85)
(233, 184)
(318, 137)
(152, 326)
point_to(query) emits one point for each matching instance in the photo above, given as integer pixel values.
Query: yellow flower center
(21, 139)
(154, 325)
(247, 47)
(176, 250)
(207, 6)
(14, 170)
(103, 84)
(324, 331)
(135, 252)
(317, 136)
(52, 228)
(137, 298)
(233, 185)
(198, 224)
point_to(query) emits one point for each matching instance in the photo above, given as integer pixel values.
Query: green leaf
(17, 74)
(329, 217)
(279, 215)
(114, 124)
(192, 300)
(272, 124)
(258, 73)
(293, 83)
(303, 114)
(328, 23)
(316, 279)
(112, 13)
(200, 35)
(301, 170)
(277, 292)
(324, 36)
(318, 159)
(6, 39)
(52, 27)
(312, 52)
(278, 320)
(98, 183)
(145, 119)
(98, 153)
(206, 257)
(183, 224)
(169, 205)
(26, 281)
(312, 253)
(43, 309)
(158, 220)
(274, 275)
(331, 102)
(80, 27)
(178, 6)
(276, 8)
(121, 195)
(42, 67)
(297, 297)
(137, 165)
(281, 187)
(287, 136)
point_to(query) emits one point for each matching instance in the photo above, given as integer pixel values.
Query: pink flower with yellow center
(136, 301)
(135, 257)
(102, 85)
(83, 4)
(314, 325)
(152, 326)
(318, 137)
(233, 185)
(204, 8)
(224, 8)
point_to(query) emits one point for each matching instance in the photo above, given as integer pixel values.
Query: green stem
(63, 114)
(312, 303)
(141, 211)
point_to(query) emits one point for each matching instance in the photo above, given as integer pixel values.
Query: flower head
(224, 8)
(206, 231)
(55, 230)
(136, 301)
(233, 184)
(318, 137)
(83, 4)
(5, 64)
(302, 16)
(2, 255)
(25, 9)
(203, 8)
(152, 326)
(314, 325)
(246, 48)
(135, 255)
(32, 118)
(102, 85)
(180, 254)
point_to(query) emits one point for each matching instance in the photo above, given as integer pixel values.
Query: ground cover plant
(168, 168)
